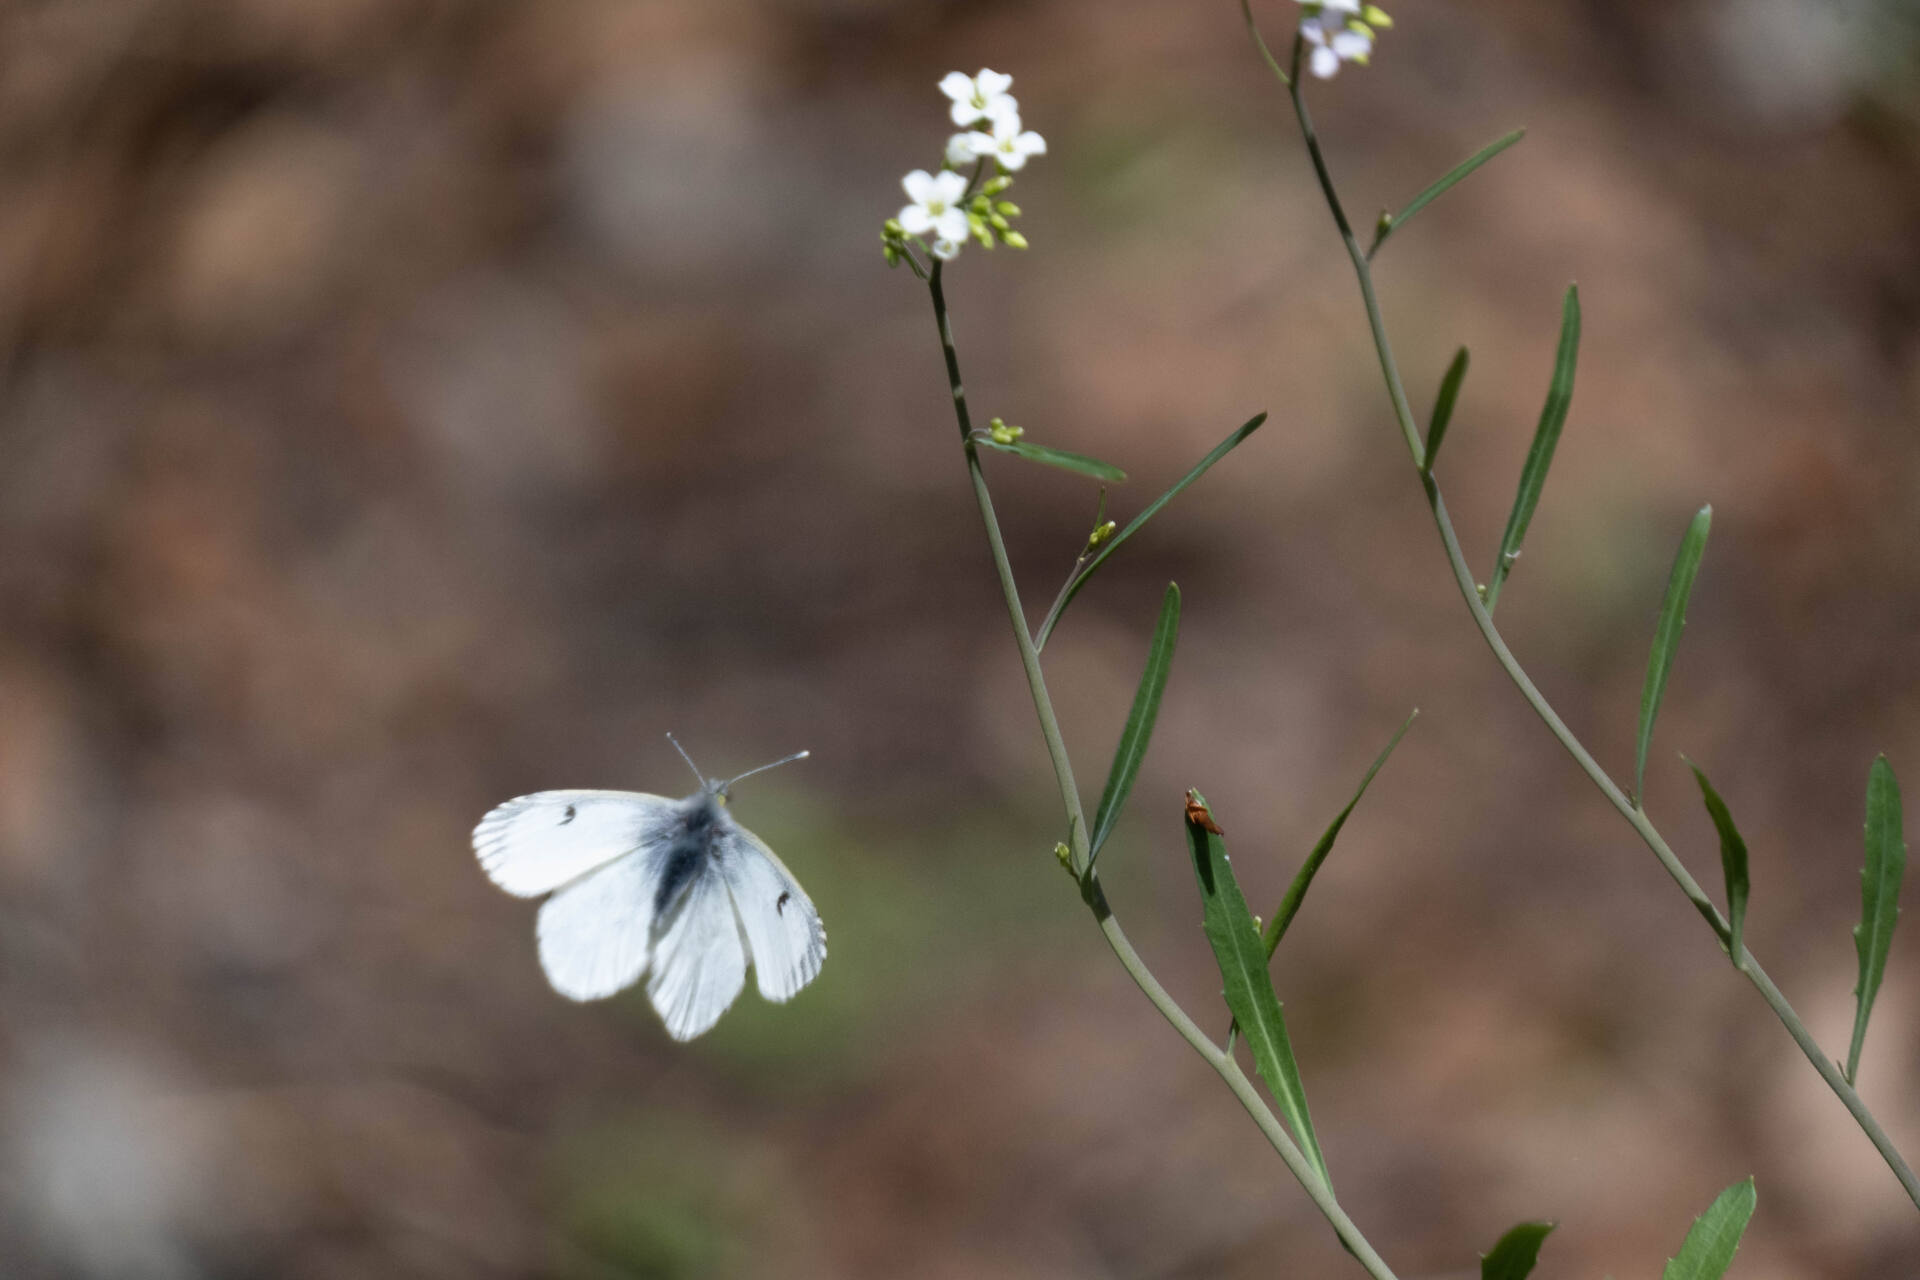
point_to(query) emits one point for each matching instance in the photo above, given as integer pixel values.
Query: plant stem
(1635, 816)
(1220, 1060)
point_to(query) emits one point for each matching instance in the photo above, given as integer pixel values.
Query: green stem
(1635, 816)
(1220, 1060)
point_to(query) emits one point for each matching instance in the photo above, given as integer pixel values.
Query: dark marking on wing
(780, 903)
(685, 860)
(570, 816)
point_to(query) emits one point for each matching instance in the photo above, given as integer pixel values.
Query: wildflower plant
(963, 201)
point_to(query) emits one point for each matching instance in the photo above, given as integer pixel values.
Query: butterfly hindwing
(778, 920)
(536, 843)
(596, 934)
(699, 957)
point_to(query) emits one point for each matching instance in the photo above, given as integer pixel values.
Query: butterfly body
(641, 885)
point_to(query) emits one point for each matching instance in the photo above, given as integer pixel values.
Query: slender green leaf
(1112, 544)
(1390, 225)
(1733, 864)
(1546, 437)
(1666, 639)
(1708, 1251)
(1297, 891)
(1513, 1257)
(1443, 409)
(1139, 728)
(1243, 971)
(1056, 458)
(1879, 896)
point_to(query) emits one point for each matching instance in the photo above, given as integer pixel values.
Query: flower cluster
(1340, 31)
(946, 206)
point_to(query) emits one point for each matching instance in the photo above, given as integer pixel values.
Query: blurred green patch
(648, 1199)
(915, 917)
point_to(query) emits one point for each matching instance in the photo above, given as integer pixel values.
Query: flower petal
(960, 149)
(957, 85)
(1352, 46)
(919, 186)
(952, 225)
(1031, 143)
(949, 186)
(1325, 62)
(992, 83)
(947, 250)
(915, 220)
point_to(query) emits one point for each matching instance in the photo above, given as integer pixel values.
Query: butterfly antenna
(798, 755)
(698, 777)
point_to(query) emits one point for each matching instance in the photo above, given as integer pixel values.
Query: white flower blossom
(936, 205)
(1335, 39)
(1008, 143)
(1340, 31)
(947, 250)
(981, 97)
(960, 149)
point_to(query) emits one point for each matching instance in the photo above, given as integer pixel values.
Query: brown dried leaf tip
(1199, 815)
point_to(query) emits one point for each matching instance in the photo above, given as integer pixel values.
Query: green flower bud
(994, 186)
(1063, 853)
(1376, 16)
(1015, 240)
(1008, 208)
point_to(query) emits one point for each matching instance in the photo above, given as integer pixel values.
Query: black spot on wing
(571, 813)
(780, 903)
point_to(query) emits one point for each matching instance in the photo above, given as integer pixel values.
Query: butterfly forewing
(699, 961)
(779, 921)
(537, 843)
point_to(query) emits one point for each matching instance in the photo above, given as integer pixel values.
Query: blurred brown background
(411, 404)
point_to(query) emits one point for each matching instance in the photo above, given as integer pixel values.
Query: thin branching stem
(1219, 1059)
(1463, 578)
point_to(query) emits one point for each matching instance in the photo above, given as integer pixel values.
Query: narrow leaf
(1708, 1251)
(1733, 864)
(1243, 972)
(1879, 896)
(1112, 544)
(1513, 1257)
(1546, 437)
(1443, 409)
(1666, 639)
(1297, 891)
(1390, 225)
(1056, 458)
(1139, 729)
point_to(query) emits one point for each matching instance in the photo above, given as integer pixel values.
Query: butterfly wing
(777, 918)
(595, 934)
(535, 844)
(699, 959)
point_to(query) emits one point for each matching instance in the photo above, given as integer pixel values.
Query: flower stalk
(1634, 815)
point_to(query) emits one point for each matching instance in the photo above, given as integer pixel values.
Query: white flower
(981, 97)
(947, 250)
(936, 205)
(1008, 143)
(960, 148)
(1335, 38)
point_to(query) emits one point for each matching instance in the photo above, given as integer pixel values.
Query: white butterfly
(641, 881)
